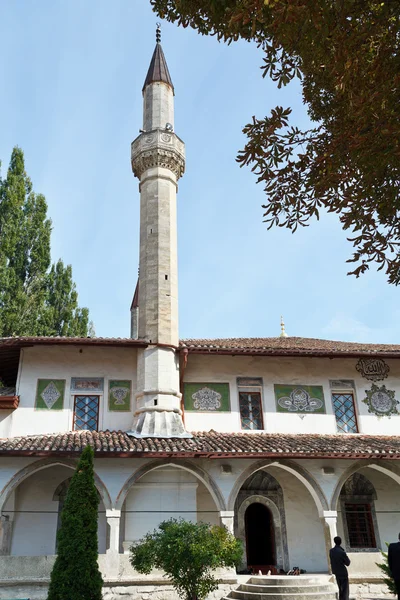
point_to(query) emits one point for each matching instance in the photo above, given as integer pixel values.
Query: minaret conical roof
(158, 70)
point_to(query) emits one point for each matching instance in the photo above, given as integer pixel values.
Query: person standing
(394, 564)
(339, 563)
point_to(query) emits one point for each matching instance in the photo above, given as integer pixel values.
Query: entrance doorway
(260, 539)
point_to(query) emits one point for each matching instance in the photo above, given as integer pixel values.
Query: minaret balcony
(158, 148)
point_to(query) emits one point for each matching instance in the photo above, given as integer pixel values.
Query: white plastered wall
(35, 513)
(282, 370)
(207, 511)
(304, 526)
(61, 362)
(159, 495)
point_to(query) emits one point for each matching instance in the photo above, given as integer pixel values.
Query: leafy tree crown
(347, 56)
(35, 299)
(188, 553)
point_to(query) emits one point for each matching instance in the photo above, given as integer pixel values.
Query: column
(113, 520)
(329, 520)
(226, 519)
(5, 535)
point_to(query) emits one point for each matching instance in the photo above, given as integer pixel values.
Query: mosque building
(286, 441)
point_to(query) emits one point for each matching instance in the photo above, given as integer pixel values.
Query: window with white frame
(250, 403)
(87, 395)
(86, 413)
(343, 402)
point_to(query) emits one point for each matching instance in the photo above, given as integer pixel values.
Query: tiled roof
(208, 444)
(22, 341)
(10, 349)
(289, 346)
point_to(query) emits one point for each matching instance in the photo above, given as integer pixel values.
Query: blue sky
(72, 74)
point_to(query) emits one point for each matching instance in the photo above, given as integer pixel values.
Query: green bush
(188, 553)
(76, 575)
(388, 579)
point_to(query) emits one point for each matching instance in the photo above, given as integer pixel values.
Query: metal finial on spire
(158, 33)
(283, 332)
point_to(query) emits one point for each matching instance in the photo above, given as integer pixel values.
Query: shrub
(388, 579)
(188, 553)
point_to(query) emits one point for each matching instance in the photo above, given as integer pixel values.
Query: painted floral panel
(119, 395)
(301, 399)
(207, 397)
(50, 394)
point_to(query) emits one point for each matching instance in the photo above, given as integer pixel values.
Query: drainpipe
(183, 361)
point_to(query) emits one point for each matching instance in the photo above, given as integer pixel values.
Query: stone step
(241, 595)
(284, 580)
(292, 589)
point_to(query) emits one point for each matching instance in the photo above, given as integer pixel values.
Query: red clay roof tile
(216, 445)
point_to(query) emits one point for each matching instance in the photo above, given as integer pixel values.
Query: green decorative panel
(207, 397)
(50, 394)
(119, 395)
(301, 399)
(381, 401)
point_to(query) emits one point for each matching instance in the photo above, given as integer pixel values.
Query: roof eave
(209, 455)
(291, 352)
(27, 342)
(9, 402)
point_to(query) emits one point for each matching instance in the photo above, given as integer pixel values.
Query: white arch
(287, 465)
(46, 463)
(387, 469)
(199, 473)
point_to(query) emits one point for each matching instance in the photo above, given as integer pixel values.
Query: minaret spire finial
(283, 332)
(158, 33)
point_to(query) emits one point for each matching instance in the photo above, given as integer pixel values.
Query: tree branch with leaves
(346, 53)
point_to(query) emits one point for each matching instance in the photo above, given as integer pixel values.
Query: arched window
(60, 494)
(358, 509)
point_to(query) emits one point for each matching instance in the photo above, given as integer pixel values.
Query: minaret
(158, 160)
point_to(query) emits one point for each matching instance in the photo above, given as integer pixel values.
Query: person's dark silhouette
(394, 564)
(339, 562)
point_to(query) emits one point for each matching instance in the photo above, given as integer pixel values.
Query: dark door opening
(260, 542)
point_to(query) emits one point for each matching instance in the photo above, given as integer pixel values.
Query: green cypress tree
(76, 575)
(33, 299)
(24, 251)
(387, 575)
(62, 315)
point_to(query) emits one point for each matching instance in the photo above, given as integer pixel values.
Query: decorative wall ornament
(87, 384)
(168, 159)
(374, 369)
(50, 394)
(166, 137)
(158, 149)
(381, 401)
(300, 398)
(358, 485)
(119, 395)
(207, 397)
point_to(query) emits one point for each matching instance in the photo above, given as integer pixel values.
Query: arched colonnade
(201, 483)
